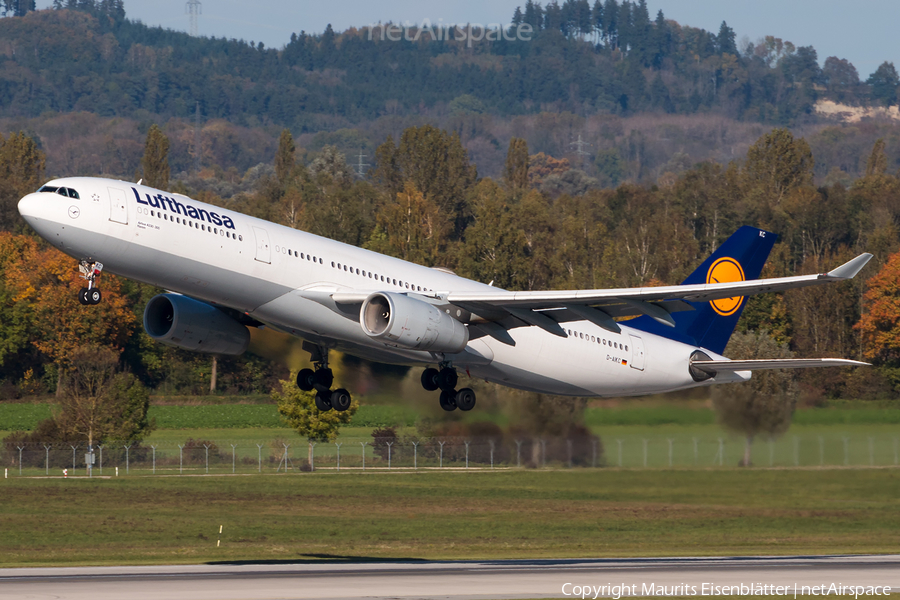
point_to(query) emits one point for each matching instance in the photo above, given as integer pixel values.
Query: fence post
(491, 442)
(259, 453)
(696, 452)
(846, 451)
(285, 459)
(594, 454)
(154, 459)
(467, 453)
(871, 451)
(23, 447)
(670, 452)
(127, 449)
(543, 454)
(46, 459)
(796, 451)
(519, 453)
(771, 452)
(389, 444)
(207, 458)
(73, 457)
(363, 444)
(821, 451)
(619, 443)
(441, 464)
(101, 458)
(721, 452)
(895, 454)
(181, 459)
(645, 451)
(569, 450)
(415, 455)
(338, 456)
(232, 458)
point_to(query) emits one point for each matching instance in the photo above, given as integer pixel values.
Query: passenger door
(118, 208)
(637, 353)
(263, 253)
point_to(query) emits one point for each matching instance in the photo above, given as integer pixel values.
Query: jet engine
(398, 320)
(193, 325)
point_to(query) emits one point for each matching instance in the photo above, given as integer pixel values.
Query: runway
(336, 579)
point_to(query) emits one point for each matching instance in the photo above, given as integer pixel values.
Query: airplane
(225, 271)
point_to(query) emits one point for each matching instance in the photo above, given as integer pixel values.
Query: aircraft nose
(29, 206)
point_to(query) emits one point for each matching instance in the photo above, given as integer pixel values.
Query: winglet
(849, 269)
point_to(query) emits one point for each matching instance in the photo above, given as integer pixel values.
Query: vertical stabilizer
(711, 324)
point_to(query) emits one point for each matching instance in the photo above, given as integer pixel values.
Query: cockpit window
(62, 191)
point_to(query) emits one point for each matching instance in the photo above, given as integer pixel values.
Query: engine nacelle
(398, 320)
(193, 325)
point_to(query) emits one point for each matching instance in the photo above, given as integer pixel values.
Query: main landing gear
(90, 271)
(446, 380)
(321, 380)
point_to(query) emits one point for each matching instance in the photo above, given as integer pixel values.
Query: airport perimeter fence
(297, 455)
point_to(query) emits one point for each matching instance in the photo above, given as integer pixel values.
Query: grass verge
(450, 515)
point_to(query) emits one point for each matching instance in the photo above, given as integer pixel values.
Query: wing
(601, 306)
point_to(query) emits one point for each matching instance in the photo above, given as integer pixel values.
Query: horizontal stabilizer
(714, 366)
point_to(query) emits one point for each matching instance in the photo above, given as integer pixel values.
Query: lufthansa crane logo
(726, 270)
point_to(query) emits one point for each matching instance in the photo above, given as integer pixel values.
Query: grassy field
(25, 416)
(449, 515)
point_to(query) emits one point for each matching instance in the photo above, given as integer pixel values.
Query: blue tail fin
(711, 324)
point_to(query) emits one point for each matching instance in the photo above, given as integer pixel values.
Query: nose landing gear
(446, 380)
(321, 380)
(90, 271)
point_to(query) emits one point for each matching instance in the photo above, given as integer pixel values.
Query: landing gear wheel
(340, 400)
(448, 400)
(430, 379)
(447, 379)
(465, 399)
(323, 380)
(306, 380)
(94, 296)
(82, 296)
(322, 403)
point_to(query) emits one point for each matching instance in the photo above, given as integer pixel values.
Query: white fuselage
(263, 269)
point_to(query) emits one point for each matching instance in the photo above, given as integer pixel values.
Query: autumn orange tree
(879, 326)
(43, 283)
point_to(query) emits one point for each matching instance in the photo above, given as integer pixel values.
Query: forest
(610, 150)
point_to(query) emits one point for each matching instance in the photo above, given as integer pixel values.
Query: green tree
(99, 403)
(494, 247)
(298, 409)
(877, 162)
(764, 405)
(776, 163)
(284, 157)
(155, 162)
(413, 228)
(21, 172)
(436, 163)
(884, 82)
(516, 169)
